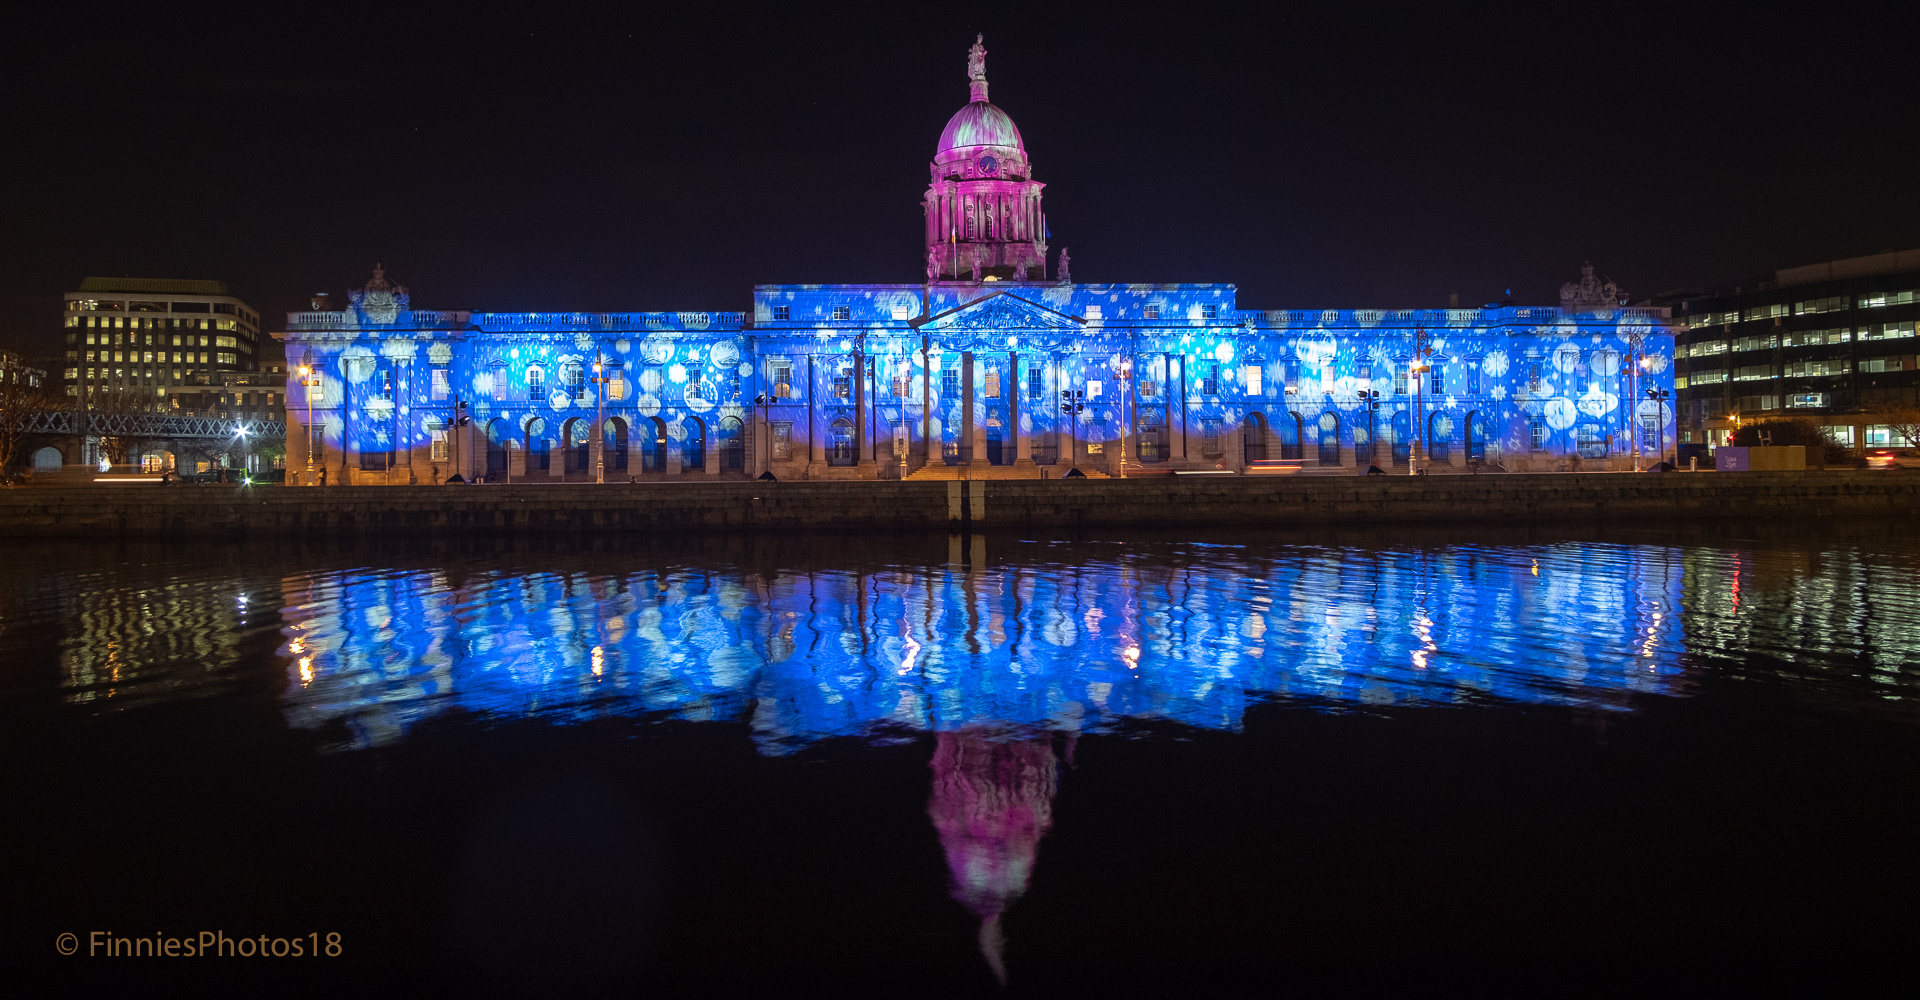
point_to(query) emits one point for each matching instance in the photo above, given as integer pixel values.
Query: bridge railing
(150, 425)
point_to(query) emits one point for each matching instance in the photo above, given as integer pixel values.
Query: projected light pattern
(1042, 646)
(891, 377)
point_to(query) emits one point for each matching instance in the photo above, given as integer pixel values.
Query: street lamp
(1422, 350)
(1660, 397)
(599, 380)
(1124, 369)
(1635, 358)
(1370, 398)
(310, 379)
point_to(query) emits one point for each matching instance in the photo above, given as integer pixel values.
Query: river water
(974, 765)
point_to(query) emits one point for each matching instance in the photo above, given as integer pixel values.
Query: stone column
(1021, 418)
(862, 418)
(976, 431)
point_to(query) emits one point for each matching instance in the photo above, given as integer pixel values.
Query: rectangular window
(1153, 311)
(950, 382)
(1809, 307)
(1036, 381)
(1816, 369)
(1209, 436)
(1536, 434)
(842, 313)
(1765, 342)
(1883, 299)
(1210, 312)
(1749, 373)
(1094, 387)
(1806, 400)
(782, 380)
(781, 314)
(782, 440)
(1889, 331)
(499, 382)
(1766, 312)
(439, 444)
(843, 383)
(1093, 312)
(225, 359)
(1210, 380)
(616, 384)
(1291, 370)
(902, 382)
(993, 383)
(1880, 436)
(383, 383)
(1894, 363)
(536, 383)
(1533, 377)
(1435, 384)
(442, 384)
(1473, 378)
(696, 385)
(1399, 380)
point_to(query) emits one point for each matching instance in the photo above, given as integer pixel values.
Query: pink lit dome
(979, 124)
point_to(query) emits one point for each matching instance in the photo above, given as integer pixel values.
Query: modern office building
(1828, 341)
(146, 337)
(993, 361)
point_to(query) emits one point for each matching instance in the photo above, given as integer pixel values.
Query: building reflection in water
(992, 802)
(995, 660)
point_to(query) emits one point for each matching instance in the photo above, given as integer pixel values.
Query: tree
(19, 401)
(1902, 418)
(119, 440)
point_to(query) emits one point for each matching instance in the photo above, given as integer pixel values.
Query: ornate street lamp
(1422, 350)
(600, 379)
(1660, 397)
(310, 379)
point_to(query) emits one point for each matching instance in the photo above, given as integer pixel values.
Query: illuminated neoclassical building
(997, 364)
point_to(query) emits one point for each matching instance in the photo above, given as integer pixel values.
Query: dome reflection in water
(996, 660)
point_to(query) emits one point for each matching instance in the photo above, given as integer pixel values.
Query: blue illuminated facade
(978, 365)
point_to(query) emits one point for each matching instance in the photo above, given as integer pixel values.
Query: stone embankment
(233, 511)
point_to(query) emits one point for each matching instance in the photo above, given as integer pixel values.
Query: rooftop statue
(1590, 292)
(977, 58)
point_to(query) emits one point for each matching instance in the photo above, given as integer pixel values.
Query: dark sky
(533, 157)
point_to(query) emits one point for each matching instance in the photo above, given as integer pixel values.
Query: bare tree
(120, 403)
(20, 399)
(1902, 418)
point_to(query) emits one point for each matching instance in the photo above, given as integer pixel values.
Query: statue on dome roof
(977, 58)
(1590, 292)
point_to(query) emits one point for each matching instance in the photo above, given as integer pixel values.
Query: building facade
(1832, 342)
(146, 336)
(994, 365)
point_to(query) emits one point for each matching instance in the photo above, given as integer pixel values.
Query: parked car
(218, 477)
(1887, 458)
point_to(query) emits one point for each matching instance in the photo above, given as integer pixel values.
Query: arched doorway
(1253, 439)
(496, 448)
(47, 460)
(1402, 437)
(1476, 439)
(1290, 436)
(1440, 438)
(578, 435)
(693, 450)
(733, 444)
(840, 442)
(539, 449)
(653, 445)
(1329, 438)
(613, 444)
(1153, 434)
(996, 441)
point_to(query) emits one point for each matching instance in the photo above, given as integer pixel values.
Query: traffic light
(460, 418)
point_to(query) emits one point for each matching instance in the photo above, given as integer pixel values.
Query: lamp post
(1125, 371)
(1635, 358)
(1422, 349)
(309, 379)
(1660, 397)
(1370, 398)
(599, 380)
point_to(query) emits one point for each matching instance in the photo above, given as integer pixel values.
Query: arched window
(1329, 438)
(1476, 439)
(613, 445)
(1402, 437)
(1289, 430)
(1440, 438)
(693, 449)
(1253, 439)
(733, 446)
(987, 223)
(840, 442)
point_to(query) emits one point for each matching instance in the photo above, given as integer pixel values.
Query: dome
(979, 124)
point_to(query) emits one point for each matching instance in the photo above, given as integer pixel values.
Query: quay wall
(145, 510)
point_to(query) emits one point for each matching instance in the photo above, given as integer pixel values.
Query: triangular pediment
(1001, 312)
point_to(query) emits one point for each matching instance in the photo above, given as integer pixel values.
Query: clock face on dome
(989, 165)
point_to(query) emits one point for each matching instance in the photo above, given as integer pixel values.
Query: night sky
(659, 158)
